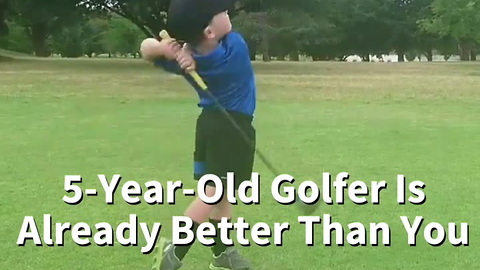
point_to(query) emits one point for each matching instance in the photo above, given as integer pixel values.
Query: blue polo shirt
(228, 73)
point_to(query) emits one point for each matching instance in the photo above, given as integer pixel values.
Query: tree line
(275, 29)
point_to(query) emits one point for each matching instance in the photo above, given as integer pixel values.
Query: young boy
(221, 57)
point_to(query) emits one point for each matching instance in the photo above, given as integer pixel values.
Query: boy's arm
(183, 63)
(161, 53)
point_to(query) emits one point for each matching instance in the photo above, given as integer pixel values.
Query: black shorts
(220, 148)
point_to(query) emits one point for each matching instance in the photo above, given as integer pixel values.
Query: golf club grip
(193, 73)
(198, 79)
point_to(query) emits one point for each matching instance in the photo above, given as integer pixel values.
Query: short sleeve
(237, 41)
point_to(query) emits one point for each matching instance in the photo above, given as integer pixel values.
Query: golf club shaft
(245, 136)
(201, 83)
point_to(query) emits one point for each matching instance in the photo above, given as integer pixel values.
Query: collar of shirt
(212, 57)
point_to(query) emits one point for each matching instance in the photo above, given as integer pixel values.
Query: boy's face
(219, 26)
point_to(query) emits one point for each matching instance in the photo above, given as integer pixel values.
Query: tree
(94, 31)
(122, 37)
(3, 17)
(17, 39)
(246, 24)
(269, 32)
(446, 46)
(69, 42)
(42, 18)
(406, 35)
(148, 15)
(364, 27)
(459, 19)
(278, 27)
(320, 38)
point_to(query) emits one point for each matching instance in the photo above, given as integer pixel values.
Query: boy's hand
(152, 49)
(185, 59)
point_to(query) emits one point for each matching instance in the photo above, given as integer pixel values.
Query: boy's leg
(229, 152)
(221, 210)
(199, 212)
(219, 149)
(169, 257)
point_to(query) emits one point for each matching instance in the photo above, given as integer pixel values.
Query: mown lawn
(372, 120)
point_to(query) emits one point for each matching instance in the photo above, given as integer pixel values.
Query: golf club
(164, 35)
(201, 83)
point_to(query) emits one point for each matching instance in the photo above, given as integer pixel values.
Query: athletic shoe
(165, 258)
(230, 259)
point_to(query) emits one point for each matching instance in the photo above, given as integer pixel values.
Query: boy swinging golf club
(225, 137)
(222, 59)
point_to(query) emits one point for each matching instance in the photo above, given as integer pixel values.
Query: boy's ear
(209, 34)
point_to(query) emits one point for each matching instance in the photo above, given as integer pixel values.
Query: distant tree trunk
(253, 50)
(401, 55)
(410, 56)
(281, 57)
(473, 55)
(464, 50)
(429, 55)
(39, 34)
(464, 56)
(265, 39)
(366, 58)
(3, 12)
(3, 28)
(266, 49)
(253, 55)
(294, 56)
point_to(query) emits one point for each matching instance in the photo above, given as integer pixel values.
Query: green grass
(373, 120)
(12, 55)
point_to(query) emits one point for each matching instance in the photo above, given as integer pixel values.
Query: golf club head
(308, 209)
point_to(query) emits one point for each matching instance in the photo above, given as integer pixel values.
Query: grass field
(373, 120)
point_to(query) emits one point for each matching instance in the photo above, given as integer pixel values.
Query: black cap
(187, 19)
